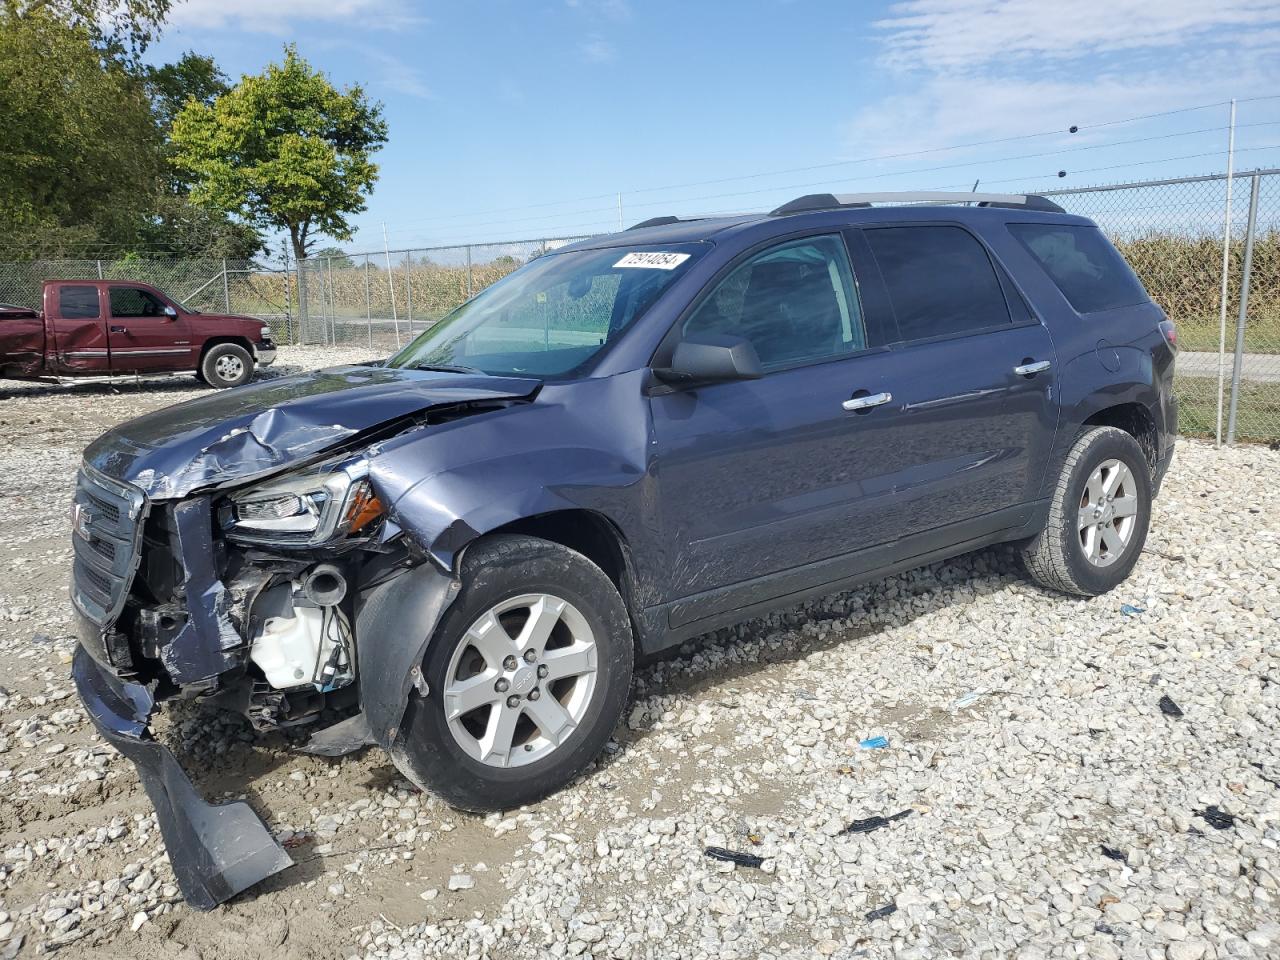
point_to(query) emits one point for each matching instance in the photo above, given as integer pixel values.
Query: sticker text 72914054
(653, 260)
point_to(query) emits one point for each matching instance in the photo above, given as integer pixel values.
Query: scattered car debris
(874, 743)
(875, 823)
(1114, 854)
(733, 856)
(1168, 707)
(879, 913)
(1129, 610)
(969, 699)
(1262, 775)
(1217, 818)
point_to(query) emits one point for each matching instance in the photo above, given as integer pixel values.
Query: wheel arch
(1135, 419)
(215, 341)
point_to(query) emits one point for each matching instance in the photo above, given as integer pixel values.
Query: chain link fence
(1171, 231)
(383, 300)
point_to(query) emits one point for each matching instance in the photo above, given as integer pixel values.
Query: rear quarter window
(78, 303)
(1083, 264)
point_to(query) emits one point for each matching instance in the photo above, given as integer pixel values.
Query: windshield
(554, 315)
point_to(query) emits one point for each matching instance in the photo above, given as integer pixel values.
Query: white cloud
(965, 71)
(963, 34)
(597, 50)
(282, 16)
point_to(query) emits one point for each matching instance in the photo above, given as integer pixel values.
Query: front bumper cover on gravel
(216, 850)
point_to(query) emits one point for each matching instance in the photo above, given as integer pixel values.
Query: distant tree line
(103, 155)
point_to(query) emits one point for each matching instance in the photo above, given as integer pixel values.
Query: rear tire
(226, 365)
(502, 726)
(1098, 516)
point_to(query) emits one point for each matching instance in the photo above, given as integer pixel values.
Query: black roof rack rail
(832, 201)
(654, 222)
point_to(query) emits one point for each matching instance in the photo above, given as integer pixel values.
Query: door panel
(143, 338)
(79, 330)
(971, 436)
(760, 476)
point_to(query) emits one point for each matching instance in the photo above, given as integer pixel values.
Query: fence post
(99, 269)
(304, 308)
(408, 293)
(1226, 273)
(468, 271)
(332, 332)
(226, 286)
(1249, 232)
(368, 302)
(288, 305)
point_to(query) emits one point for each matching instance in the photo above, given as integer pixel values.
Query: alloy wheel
(520, 680)
(1108, 513)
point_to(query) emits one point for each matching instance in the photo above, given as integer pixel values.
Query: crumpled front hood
(247, 431)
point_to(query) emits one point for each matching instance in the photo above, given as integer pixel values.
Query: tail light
(1170, 333)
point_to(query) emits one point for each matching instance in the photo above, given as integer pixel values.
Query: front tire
(529, 673)
(1098, 516)
(226, 365)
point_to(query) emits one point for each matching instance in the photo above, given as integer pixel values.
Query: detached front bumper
(264, 353)
(216, 850)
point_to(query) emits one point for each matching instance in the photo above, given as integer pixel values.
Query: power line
(587, 228)
(896, 173)
(838, 163)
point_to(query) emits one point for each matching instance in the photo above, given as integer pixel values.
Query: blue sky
(524, 119)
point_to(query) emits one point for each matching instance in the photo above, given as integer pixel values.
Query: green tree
(283, 150)
(173, 85)
(82, 159)
(115, 26)
(338, 258)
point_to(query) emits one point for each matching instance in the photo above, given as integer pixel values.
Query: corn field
(1171, 232)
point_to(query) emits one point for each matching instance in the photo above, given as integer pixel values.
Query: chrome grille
(107, 519)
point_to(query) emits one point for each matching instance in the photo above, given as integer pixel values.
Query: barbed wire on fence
(1169, 230)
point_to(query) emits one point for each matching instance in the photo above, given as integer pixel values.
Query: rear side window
(939, 279)
(78, 303)
(1082, 262)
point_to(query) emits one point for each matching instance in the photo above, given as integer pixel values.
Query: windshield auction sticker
(653, 260)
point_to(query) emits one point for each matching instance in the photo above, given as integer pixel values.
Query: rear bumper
(217, 850)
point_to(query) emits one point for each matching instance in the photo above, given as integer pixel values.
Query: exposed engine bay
(289, 595)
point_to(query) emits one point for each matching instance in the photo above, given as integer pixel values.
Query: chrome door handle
(119, 329)
(866, 403)
(1031, 369)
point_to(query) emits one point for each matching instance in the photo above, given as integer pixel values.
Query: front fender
(583, 446)
(397, 619)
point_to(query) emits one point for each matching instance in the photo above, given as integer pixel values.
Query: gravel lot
(1050, 807)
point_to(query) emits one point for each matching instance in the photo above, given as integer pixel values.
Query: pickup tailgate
(21, 341)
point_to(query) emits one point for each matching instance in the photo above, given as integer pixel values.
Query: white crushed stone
(1025, 736)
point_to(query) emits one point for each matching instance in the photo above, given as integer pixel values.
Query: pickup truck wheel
(1098, 516)
(529, 672)
(226, 365)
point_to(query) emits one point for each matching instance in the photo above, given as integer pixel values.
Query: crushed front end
(248, 598)
(234, 549)
(128, 592)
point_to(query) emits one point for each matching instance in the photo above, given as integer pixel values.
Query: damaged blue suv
(457, 553)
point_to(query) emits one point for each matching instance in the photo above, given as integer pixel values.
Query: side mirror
(712, 358)
(171, 313)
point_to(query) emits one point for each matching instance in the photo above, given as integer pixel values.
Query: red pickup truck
(109, 327)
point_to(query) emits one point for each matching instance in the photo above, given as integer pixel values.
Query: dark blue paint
(725, 498)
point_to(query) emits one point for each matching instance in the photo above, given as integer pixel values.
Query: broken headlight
(321, 504)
